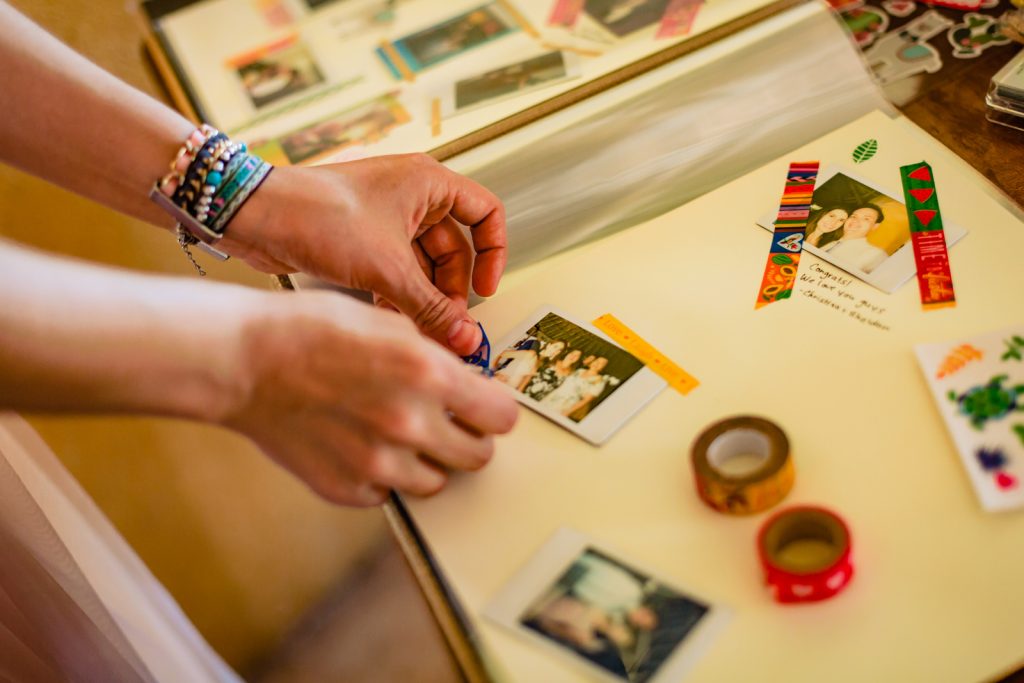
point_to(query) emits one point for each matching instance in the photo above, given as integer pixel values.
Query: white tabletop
(939, 590)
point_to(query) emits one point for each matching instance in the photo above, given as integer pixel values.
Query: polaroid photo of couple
(861, 228)
(619, 623)
(573, 375)
(508, 81)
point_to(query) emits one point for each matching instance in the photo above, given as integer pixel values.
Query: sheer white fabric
(76, 603)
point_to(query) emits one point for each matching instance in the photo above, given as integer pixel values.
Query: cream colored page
(208, 35)
(937, 593)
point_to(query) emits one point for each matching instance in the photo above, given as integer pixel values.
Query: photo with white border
(862, 228)
(620, 623)
(572, 374)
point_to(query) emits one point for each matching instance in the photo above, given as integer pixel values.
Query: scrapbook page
(832, 365)
(287, 65)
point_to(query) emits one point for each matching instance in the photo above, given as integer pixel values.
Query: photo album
(329, 80)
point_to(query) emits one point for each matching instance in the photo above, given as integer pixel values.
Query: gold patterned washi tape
(677, 378)
(742, 465)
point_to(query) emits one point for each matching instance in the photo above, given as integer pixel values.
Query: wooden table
(954, 113)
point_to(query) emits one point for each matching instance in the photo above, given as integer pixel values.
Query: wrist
(255, 224)
(211, 378)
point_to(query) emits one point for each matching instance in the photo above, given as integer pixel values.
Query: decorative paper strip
(518, 17)
(395, 62)
(678, 18)
(435, 117)
(788, 238)
(565, 13)
(933, 276)
(262, 51)
(678, 379)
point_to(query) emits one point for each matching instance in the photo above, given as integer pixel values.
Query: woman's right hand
(354, 401)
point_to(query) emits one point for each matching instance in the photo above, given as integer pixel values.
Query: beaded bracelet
(210, 179)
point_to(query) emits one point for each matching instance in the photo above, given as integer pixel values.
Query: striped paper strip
(788, 238)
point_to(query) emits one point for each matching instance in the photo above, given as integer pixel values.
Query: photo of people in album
(564, 368)
(363, 124)
(512, 79)
(277, 71)
(454, 36)
(622, 17)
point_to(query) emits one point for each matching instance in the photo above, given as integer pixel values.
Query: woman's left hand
(389, 225)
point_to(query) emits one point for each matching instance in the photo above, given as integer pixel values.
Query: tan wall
(243, 547)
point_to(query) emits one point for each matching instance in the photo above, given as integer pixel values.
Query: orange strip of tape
(435, 117)
(678, 379)
(397, 60)
(518, 17)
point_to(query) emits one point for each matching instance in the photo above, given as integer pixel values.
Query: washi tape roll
(742, 465)
(805, 554)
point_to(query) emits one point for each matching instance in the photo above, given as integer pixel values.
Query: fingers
(481, 404)
(483, 212)
(403, 470)
(426, 264)
(381, 302)
(456, 448)
(439, 317)
(450, 257)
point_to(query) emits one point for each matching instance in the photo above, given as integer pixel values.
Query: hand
(354, 401)
(388, 225)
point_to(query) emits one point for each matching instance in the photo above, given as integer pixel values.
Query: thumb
(441, 318)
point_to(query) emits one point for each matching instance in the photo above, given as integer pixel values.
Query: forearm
(74, 124)
(75, 337)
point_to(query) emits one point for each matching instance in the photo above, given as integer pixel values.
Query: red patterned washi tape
(806, 554)
(788, 238)
(933, 276)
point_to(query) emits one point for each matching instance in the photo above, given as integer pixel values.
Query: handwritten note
(832, 289)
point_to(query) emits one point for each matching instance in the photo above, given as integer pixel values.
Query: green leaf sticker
(784, 294)
(865, 151)
(781, 260)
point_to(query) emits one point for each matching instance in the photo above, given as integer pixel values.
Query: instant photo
(581, 602)
(572, 374)
(861, 228)
(276, 71)
(622, 17)
(448, 39)
(361, 125)
(510, 80)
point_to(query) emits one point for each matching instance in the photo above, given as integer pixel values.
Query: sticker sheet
(978, 386)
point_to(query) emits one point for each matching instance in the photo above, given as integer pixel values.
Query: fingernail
(463, 336)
